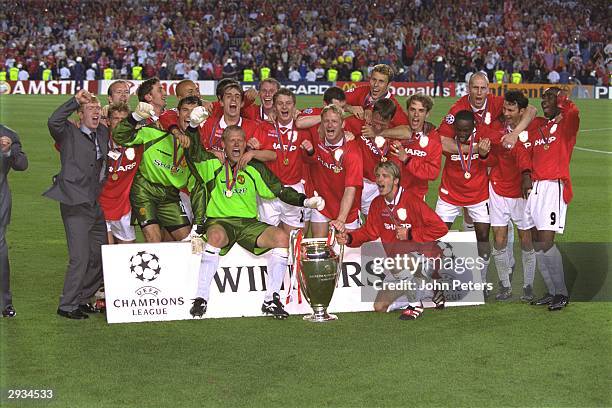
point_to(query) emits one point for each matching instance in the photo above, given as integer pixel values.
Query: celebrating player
(162, 172)
(373, 150)
(285, 139)
(403, 222)
(212, 129)
(550, 189)
(486, 108)
(115, 196)
(362, 98)
(505, 198)
(421, 154)
(465, 183)
(336, 173)
(224, 194)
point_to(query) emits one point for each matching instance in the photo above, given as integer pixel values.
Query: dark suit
(15, 159)
(77, 187)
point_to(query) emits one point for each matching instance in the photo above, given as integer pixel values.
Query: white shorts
(448, 212)
(503, 209)
(274, 211)
(368, 194)
(316, 216)
(121, 229)
(186, 204)
(545, 207)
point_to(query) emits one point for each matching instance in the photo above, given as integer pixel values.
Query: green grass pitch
(494, 355)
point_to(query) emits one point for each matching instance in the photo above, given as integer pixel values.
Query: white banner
(207, 88)
(157, 282)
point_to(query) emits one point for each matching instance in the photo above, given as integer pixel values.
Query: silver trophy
(317, 267)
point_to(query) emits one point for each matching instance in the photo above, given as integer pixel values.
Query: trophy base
(320, 318)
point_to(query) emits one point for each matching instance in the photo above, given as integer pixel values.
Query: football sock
(208, 268)
(277, 267)
(484, 269)
(554, 261)
(529, 263)
(500, 256)
(510, 245)
(545, 272)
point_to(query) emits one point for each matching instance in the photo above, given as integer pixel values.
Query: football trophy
(317, 267)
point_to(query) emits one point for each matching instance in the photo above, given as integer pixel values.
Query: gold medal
(383, 159)
(115, 177)
(546, 147)
(467, 175)
(286, 162)
(337, 169)
(228, 193)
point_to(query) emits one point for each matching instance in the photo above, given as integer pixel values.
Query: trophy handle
(331, 240)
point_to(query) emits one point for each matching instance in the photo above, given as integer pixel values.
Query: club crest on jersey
(553, 129)
(130, 153)
(423, 141)
(523, 136)
(488, 118)
(450, 118)
(240, 179)
(401, 213)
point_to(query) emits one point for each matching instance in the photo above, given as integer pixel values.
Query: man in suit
(11, 156)
(83, 153)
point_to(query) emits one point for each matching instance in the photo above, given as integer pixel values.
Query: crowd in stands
(546, 41)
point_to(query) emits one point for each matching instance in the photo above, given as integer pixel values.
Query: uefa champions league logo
(145, 266)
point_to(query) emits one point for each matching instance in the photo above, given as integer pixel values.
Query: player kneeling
(406, 226)
(224, 194)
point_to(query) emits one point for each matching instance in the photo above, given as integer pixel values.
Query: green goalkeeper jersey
(210, 180)
(163, 160)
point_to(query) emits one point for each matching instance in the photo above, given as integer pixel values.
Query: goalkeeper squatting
(224, 200)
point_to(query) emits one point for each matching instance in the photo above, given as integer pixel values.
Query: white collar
(474, 109)
(223, 123)
(340, 143)
(289, 126)
(400, 190)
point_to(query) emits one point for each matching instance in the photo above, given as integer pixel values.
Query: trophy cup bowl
(318, 274)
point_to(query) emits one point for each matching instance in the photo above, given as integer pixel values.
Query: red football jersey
(370, 153)
(330, 185)
(169, 118)
(505, 175)
(455, 188)
(212, 130)
(360, 96)
(551, 145)
(425, 152)
(115, 196)
(485, 116)
(291, 139)
(406, 211)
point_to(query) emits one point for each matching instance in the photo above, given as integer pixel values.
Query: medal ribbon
(117, 162)
(213, 136)
(279, 137)
(230, 185)
(382, 153)
(176, 161)
(391, 207)
(331, 151)
(464, 167)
